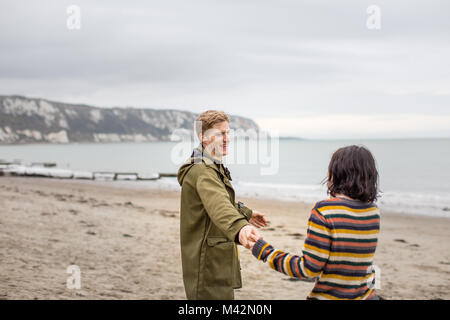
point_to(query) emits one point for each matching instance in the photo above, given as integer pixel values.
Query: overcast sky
(311, 69)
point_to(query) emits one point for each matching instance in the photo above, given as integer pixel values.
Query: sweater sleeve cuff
(262, 249)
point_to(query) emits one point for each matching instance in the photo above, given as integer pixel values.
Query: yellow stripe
(262, 250)
(367, 294)
(326, 208)
(310, 247)
(346, 231)
(310, 273)
(349, 231)
(338, 254)
(288, 266)
(337, 276)
(351, 255)
(312, 224)
(273, 257)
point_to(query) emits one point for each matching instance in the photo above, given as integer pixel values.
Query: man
(211, 222)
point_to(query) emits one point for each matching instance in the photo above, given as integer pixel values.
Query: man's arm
(255, 218)
(216, 201)
(247, 212)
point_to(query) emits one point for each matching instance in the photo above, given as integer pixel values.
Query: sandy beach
(126, 244)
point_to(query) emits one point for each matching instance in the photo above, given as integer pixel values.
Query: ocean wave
(428, 204)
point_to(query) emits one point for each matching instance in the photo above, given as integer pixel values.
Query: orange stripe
(316, 262)
(353, 244)
(346, 267)
(374, 220)
(280, 259)
(296, 266)
(314, 212)
(312, 236)
(262, 250)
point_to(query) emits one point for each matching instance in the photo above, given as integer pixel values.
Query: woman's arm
(316, 250)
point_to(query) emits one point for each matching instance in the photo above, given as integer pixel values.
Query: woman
(342, 232)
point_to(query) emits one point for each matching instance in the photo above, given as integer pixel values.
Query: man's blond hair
(206, 120)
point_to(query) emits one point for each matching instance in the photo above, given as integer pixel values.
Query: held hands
(248, 236)
(258, 219)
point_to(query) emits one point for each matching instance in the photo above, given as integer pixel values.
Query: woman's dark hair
(352, 172)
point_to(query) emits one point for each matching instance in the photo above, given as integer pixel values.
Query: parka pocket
(219, 262)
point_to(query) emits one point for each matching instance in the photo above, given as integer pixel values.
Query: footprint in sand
(296, 235)
(131, 205)
(48, 214)
(89, 225)
(167, 213)
(73, 211)
(59, 196)
(101, 204)
(298, 279)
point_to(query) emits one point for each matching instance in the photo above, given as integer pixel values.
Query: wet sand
(126, 244)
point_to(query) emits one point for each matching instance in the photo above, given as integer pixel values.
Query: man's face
(216, 140)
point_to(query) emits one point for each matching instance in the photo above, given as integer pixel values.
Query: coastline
(126, 243)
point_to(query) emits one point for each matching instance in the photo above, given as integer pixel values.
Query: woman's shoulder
(333, 202)
(326, 202)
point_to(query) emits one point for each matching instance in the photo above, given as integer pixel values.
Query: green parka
(210, 221)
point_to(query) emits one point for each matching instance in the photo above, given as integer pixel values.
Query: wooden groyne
(49, 170)
(124, 175)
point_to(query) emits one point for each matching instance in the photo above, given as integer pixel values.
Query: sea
(414, 173)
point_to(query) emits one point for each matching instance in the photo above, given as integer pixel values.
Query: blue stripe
(353, 249)
(355, 226)
(312, 266)
(346, 273)
(341, 295)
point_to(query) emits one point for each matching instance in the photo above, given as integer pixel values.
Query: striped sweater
(338, 250)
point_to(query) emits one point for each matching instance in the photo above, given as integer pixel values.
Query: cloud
(350, 126)
(254, 58)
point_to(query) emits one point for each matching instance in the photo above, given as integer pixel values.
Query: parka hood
(184, 169)
(199, 155)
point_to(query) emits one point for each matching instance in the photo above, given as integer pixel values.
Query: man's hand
(258, 219)
(248, 236)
